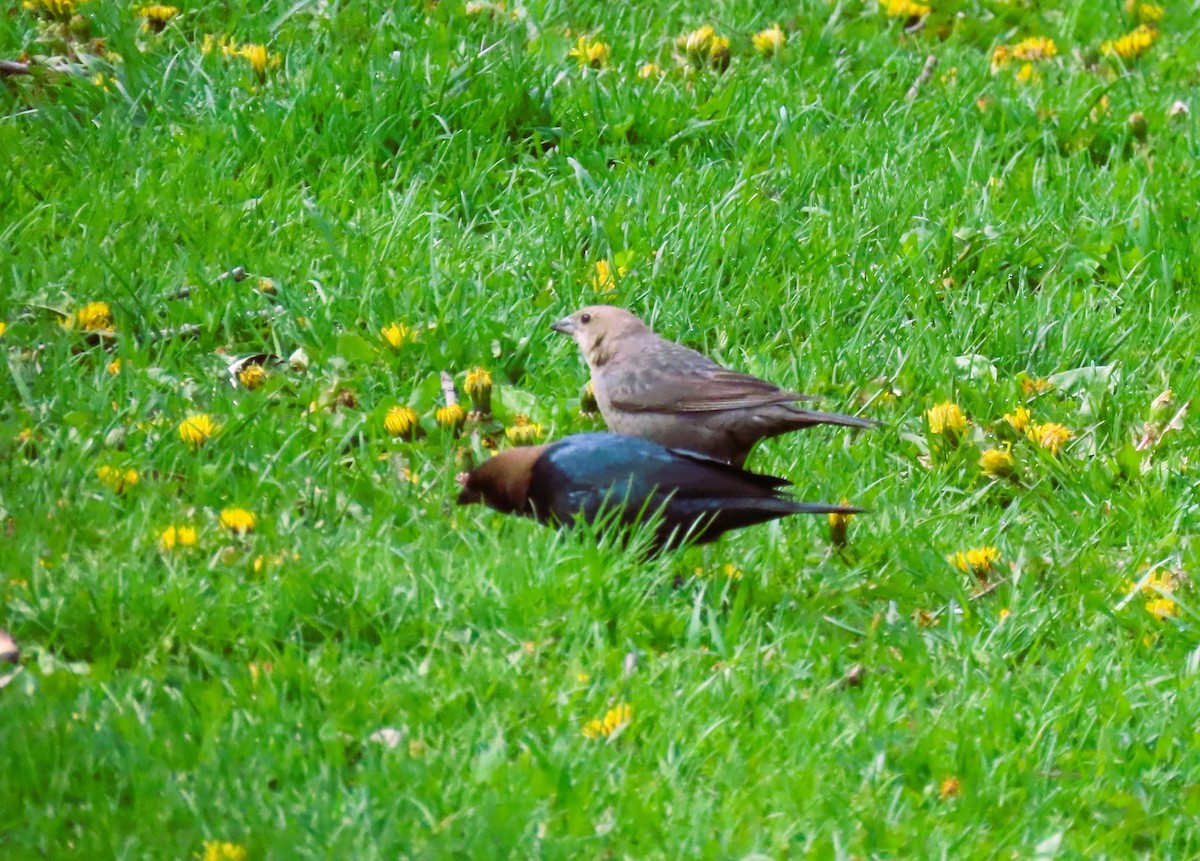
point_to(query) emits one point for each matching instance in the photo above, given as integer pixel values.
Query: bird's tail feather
(809, 418)
(736, 512)
(794, 507)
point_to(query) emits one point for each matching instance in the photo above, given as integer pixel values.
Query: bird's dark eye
(585, 318)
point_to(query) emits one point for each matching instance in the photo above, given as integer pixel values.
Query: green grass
(797, 218)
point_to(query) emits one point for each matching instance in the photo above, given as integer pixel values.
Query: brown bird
(656, 389)
(696, 498)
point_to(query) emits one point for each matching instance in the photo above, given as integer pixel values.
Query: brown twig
(923, 78)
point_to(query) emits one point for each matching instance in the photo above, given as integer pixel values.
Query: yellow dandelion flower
(698, 42)
(615, 718)
(213, 43)
(703, 45)
(197, 429)
(904, 9)
(1027, 75)
(260, 59)
(603, 280)
(1159, 582)
(732, 571)
(401, 421)
(768, 42)
(1162, 608)
(946, 418)
(1034, 49)
(1132, 45)
(1145, 13)
(157, 16)
(718, 54)
(523, 431)
(239, 520)
(1004, 614)
(1038, 385)
(478, 387)
(177, 536)
(93, 317)
(1001, 58)
(257, 56)
(592, 728)
(649, 70)
(590, 52)
(397, 335)
(452, 417)
(950, 788)
(997, 463)
(57, 10)
(252, 377)
(582, 678)
(113, 367)
(3, 328)
(839, 523)
(1018, 419)
(1050, 436)
(979, 561)
(217, 850)
(118, 480)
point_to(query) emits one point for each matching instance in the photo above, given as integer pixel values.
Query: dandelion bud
(768, 42)
(479, 390)
(718, 54)
(997, 463)
(1162, 406)
(401, 422)
(523, 431)
(1137, 125)
(947, 419)
(451, 417)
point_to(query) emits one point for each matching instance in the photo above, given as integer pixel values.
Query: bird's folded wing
(708, 476)
(660, 390)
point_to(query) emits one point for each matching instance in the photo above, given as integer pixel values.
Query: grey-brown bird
(649, 387)
(691, 497)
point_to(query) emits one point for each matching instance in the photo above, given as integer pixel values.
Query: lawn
(254, 625)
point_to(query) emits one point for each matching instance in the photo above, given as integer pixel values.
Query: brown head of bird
(502, 483)
(599, 331)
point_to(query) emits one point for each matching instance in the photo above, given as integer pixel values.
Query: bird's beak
(566, 325)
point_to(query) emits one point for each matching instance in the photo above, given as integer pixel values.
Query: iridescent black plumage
(697, 498)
